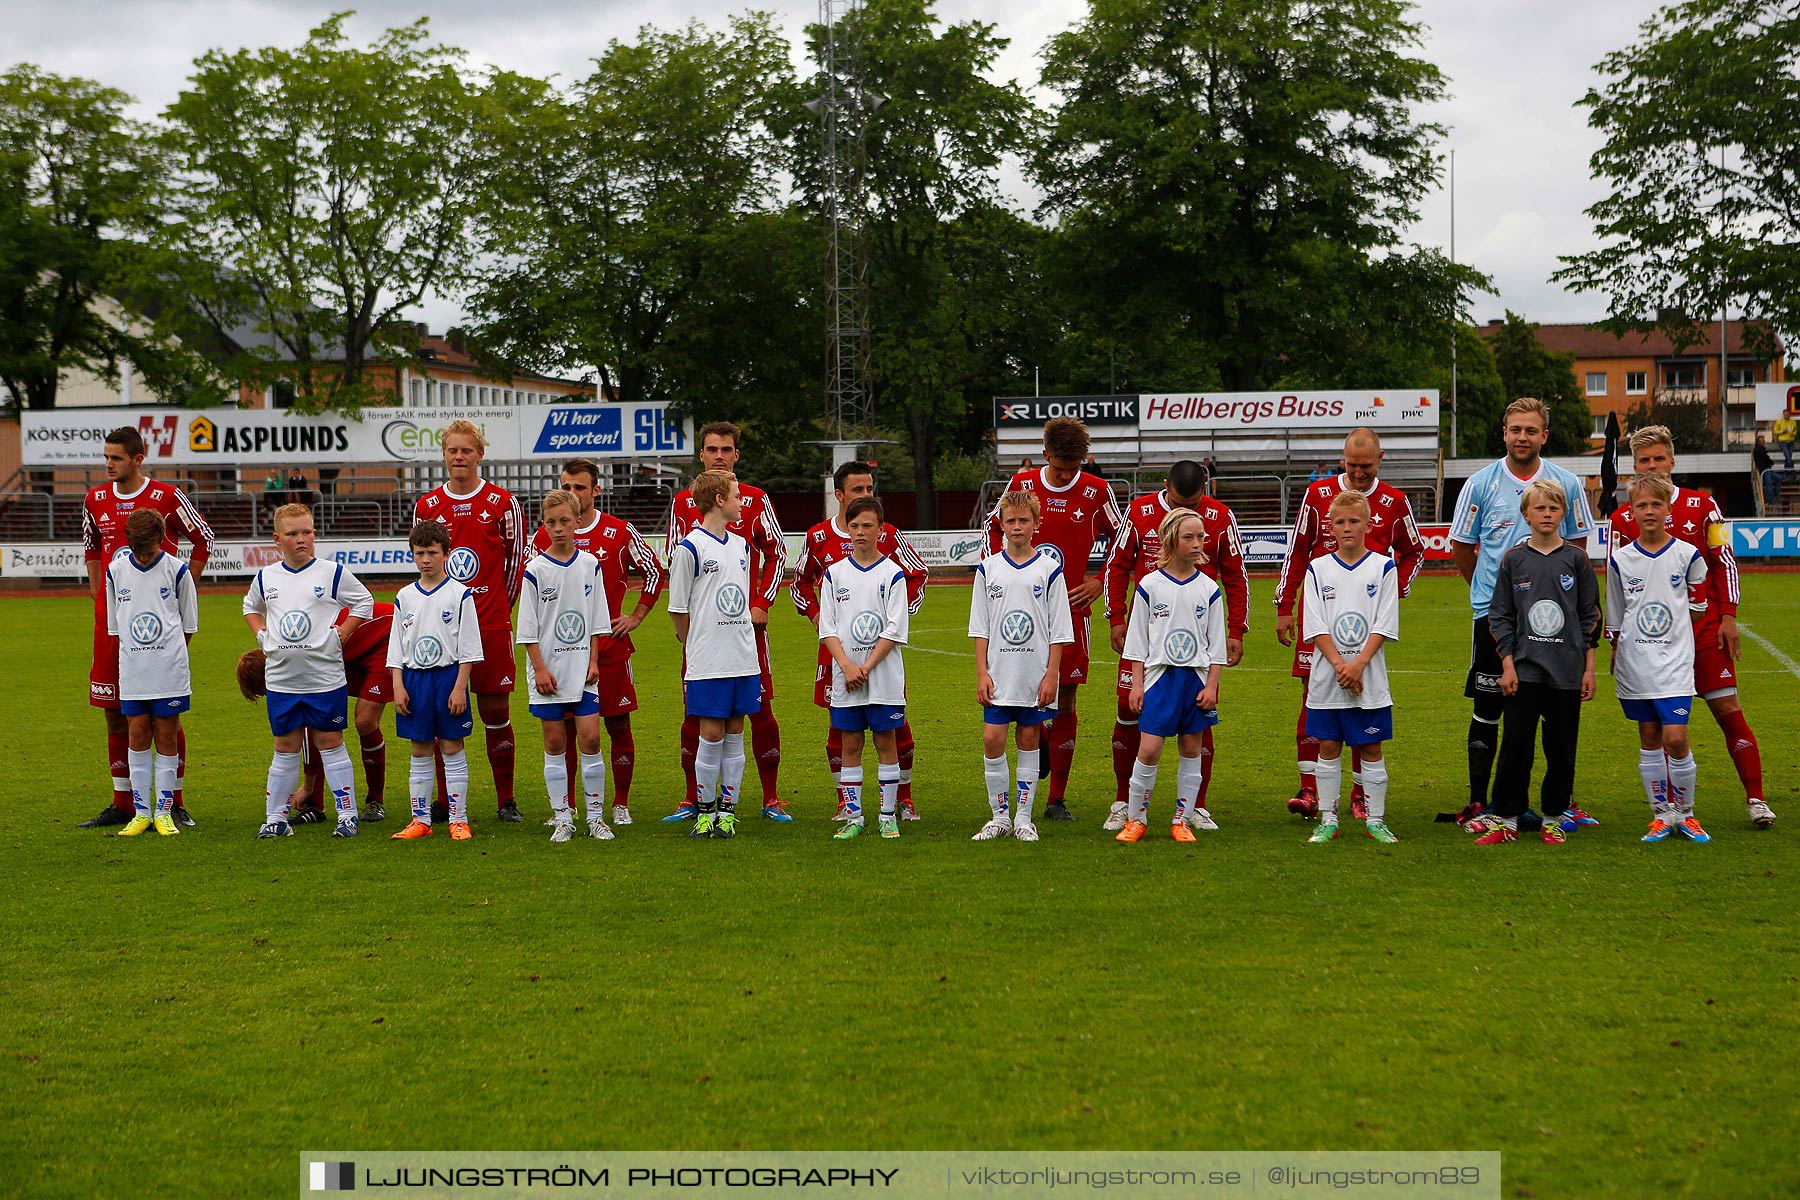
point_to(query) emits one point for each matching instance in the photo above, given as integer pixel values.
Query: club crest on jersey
(164, 592)
(1372, 589)
(1350, 630)
(146, 628)
(1037, 590)
(571, 627)
(1090, 492)
(1016, 627)
(464, 564)
(732, 600)
(296, 626)
(1566, 582)
(318, 591)
(448, 615)
(1675, 579)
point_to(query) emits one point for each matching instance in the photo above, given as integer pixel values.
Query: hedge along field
(189, 1012)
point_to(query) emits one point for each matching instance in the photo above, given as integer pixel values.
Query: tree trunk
(924, 452)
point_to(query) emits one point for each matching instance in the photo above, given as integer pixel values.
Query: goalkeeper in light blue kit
(862, 625)
(290, 608)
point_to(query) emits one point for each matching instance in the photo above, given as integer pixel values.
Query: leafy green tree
(1686, 233)
(638, 229)
(323, 192)
(1231, 179)
(1528, 369)
(81, 190)
(952, 296)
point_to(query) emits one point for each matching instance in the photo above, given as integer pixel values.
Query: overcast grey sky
(1516, 68)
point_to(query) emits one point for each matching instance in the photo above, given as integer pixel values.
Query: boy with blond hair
(1350, 611)
(710, 600)
(1655, 592)
(290, 607)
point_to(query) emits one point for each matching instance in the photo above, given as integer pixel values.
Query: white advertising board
(228, 437)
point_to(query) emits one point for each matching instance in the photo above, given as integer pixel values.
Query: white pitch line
(1774, 652)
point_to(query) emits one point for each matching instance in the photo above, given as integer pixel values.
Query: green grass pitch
(185, 1013)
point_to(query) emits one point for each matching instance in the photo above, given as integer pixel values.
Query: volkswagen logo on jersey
(146, 628)
(1181, 646)
(1350, 630)
(571, 627)
(1016, 627)
(1655, 620)
(1545, 618)
(296, 626)
(732, 600)
(865, 628)
(464, 564)
(428, 651)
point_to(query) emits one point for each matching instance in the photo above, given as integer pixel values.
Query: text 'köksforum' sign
(226, 437)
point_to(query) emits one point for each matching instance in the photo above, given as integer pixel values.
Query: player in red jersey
(1695, 518)
(103, 517)
(756, 524)
(366, 670)
(487, 553)
(1134, 554)
(622, 551)
(1392, 531)
(1078, 510)
(825, 544)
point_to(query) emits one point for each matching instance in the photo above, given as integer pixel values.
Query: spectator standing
(1786, 429)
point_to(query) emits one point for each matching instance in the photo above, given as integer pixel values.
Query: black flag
(1609, 465)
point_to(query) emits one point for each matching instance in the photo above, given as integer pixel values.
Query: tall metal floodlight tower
(844, 107)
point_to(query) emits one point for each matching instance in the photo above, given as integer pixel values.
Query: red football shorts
(103, 675)
(618, 690)
(822, 679)
(496, 671)
(1075, 658)
(1714, 672)
(373, 683)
